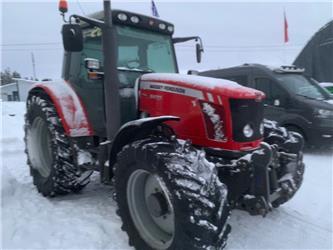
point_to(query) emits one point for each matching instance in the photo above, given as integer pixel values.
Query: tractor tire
(50, 155)
(291, 172)
(169, 197)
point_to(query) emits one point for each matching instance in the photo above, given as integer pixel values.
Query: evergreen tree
(7, 76)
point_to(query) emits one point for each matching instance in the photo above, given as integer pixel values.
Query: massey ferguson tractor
(180, 150)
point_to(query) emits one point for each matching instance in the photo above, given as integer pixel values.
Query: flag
(286, 36)
(154, 9)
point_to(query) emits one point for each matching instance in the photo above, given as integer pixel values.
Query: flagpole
(154, 10)
(286, 36)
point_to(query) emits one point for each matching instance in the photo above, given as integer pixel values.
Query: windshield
(143, 50)
(302, 86)
(138, 50)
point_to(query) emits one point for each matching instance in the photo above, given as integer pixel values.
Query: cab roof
(128, 18)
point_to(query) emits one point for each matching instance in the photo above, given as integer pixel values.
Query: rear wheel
(170, 197)
(50, 155)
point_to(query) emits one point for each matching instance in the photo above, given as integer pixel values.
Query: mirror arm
(185, 39)
(63, 17)
(92, 21)
(201, 44)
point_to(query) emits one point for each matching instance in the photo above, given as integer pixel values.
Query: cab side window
(272, 91)
(92, 48)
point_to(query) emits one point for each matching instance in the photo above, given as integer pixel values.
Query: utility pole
(33, 65)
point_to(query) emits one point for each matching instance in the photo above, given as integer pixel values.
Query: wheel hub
(151, 209)
(157, 204)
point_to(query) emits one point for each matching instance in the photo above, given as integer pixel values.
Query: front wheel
(170, 197)
(50, 155)
(289, 144)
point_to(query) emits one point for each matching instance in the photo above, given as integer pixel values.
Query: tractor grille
(243, 112)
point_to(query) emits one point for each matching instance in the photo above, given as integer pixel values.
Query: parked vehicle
(169, 192)
(293, 100)
(328, 86)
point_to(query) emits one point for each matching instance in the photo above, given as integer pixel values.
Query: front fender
(136, 130)
(70, 109)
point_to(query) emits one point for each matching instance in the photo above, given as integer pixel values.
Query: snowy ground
(88, 220)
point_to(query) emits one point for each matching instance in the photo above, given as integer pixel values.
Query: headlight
(323, 113)
(248, 131)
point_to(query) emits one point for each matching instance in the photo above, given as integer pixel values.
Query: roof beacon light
(63, 6)
(135, 19)
(122, 17)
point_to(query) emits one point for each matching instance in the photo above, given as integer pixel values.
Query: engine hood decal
(160, 86)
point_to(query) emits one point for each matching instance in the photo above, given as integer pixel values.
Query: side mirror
(199, 51)
(72, 37)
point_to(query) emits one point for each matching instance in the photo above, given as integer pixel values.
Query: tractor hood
(198, 86)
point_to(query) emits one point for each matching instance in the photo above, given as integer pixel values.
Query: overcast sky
(233, 32)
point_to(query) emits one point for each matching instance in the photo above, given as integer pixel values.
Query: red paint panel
(157, 102)
(69, 107)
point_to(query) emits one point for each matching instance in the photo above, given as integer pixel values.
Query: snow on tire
(169, 197)
(50, 155)
(291, 171)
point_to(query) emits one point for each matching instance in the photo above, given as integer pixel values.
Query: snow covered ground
(88, 220)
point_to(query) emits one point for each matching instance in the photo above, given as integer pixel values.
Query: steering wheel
(129, 62)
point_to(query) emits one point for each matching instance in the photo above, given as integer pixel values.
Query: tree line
(7, 76)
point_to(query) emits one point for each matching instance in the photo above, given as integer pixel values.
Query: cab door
(275, 104)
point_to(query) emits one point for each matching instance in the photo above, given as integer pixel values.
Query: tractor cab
(143, 45)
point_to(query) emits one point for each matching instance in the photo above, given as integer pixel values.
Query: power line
(240, 49)
(242, 46)
(33, 49)
(29, 44)
(190, 46)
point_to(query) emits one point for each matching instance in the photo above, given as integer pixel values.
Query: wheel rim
(151, 209)
(39, 147)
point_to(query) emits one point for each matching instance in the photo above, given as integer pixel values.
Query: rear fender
(69, 107)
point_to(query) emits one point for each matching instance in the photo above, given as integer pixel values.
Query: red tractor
(180, 150)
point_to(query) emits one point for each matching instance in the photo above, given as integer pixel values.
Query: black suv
(292, 99)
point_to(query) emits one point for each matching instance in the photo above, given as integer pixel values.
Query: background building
(16, 91)
(317, 55)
